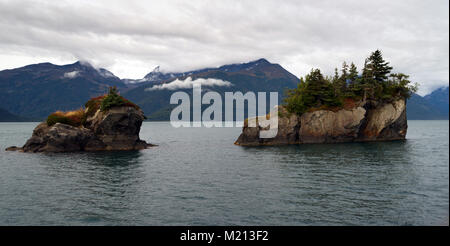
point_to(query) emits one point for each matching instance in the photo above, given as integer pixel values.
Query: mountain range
(433, 106)
(6, 116)
(34, 91)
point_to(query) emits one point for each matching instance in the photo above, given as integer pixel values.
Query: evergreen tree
(335, 81)
(353, 73)
(399, 85)
(336, 75)
(354, 88)
(380, 69)
(316, 86)
(342, 82)
(367, 82)
(344, 71)
(319, 89)
(374, 83)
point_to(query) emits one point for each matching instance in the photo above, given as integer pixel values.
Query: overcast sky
(130, 38)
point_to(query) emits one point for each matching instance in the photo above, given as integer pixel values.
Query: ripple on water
(198, 177)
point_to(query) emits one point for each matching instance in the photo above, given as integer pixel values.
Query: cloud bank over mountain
(130, 37)
(189, 83)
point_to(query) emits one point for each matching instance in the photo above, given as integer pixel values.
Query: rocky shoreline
(367, 121)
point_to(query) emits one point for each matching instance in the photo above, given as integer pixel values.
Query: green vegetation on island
(344, 89)
(78, 117)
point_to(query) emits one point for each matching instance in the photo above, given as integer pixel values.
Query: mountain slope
(6, 116)
(255, 76)
(419, 109)
(39, 89)
(36, 90)
(439, 100)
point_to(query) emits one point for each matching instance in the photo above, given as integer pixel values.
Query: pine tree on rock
(380, 69)
(344, 71)
(374, 84)
(353, 73)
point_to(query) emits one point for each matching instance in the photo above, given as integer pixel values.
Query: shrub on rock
(73, 118)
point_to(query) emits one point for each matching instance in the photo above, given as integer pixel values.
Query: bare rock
(115, 129)
(13, 148)
(387, 121)
(57, 138)
(288, 126)
(324, 126)
(118, 128)
(367, 121)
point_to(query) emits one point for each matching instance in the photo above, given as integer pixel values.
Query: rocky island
(348, 107)
(368, 121)
(109, 122)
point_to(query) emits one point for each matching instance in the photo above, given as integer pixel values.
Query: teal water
(196, 176)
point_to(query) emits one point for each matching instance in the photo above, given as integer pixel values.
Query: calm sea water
(196, 176)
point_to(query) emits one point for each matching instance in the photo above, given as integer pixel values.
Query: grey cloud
(131, 37)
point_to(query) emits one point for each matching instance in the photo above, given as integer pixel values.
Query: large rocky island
(348, 107)
(109, 122)
(367, 121)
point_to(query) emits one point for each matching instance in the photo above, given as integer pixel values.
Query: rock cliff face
(115, 129)
(368, 121)
(386, 121)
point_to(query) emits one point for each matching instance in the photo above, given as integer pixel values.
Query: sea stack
(347, 107)
(366, 121)
(109, 122)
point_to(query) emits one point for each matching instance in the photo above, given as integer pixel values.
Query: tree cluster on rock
(376, 82)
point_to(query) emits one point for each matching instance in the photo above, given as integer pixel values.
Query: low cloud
(71, 75)
(189, 83)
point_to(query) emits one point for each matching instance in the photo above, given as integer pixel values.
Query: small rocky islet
(109, 122)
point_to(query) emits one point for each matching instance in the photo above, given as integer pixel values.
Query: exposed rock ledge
(116, 129)
(368, 121)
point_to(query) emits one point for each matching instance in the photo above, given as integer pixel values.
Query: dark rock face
(57, 138)
(13, 148)
(288, 128)
(396, 130)
(369, 121)
(115, 129)
(118, 128)
(385, 122)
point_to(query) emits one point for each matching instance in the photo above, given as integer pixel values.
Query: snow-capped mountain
(39, 89)
(157, 75)
(256, 76)
(154, 76)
